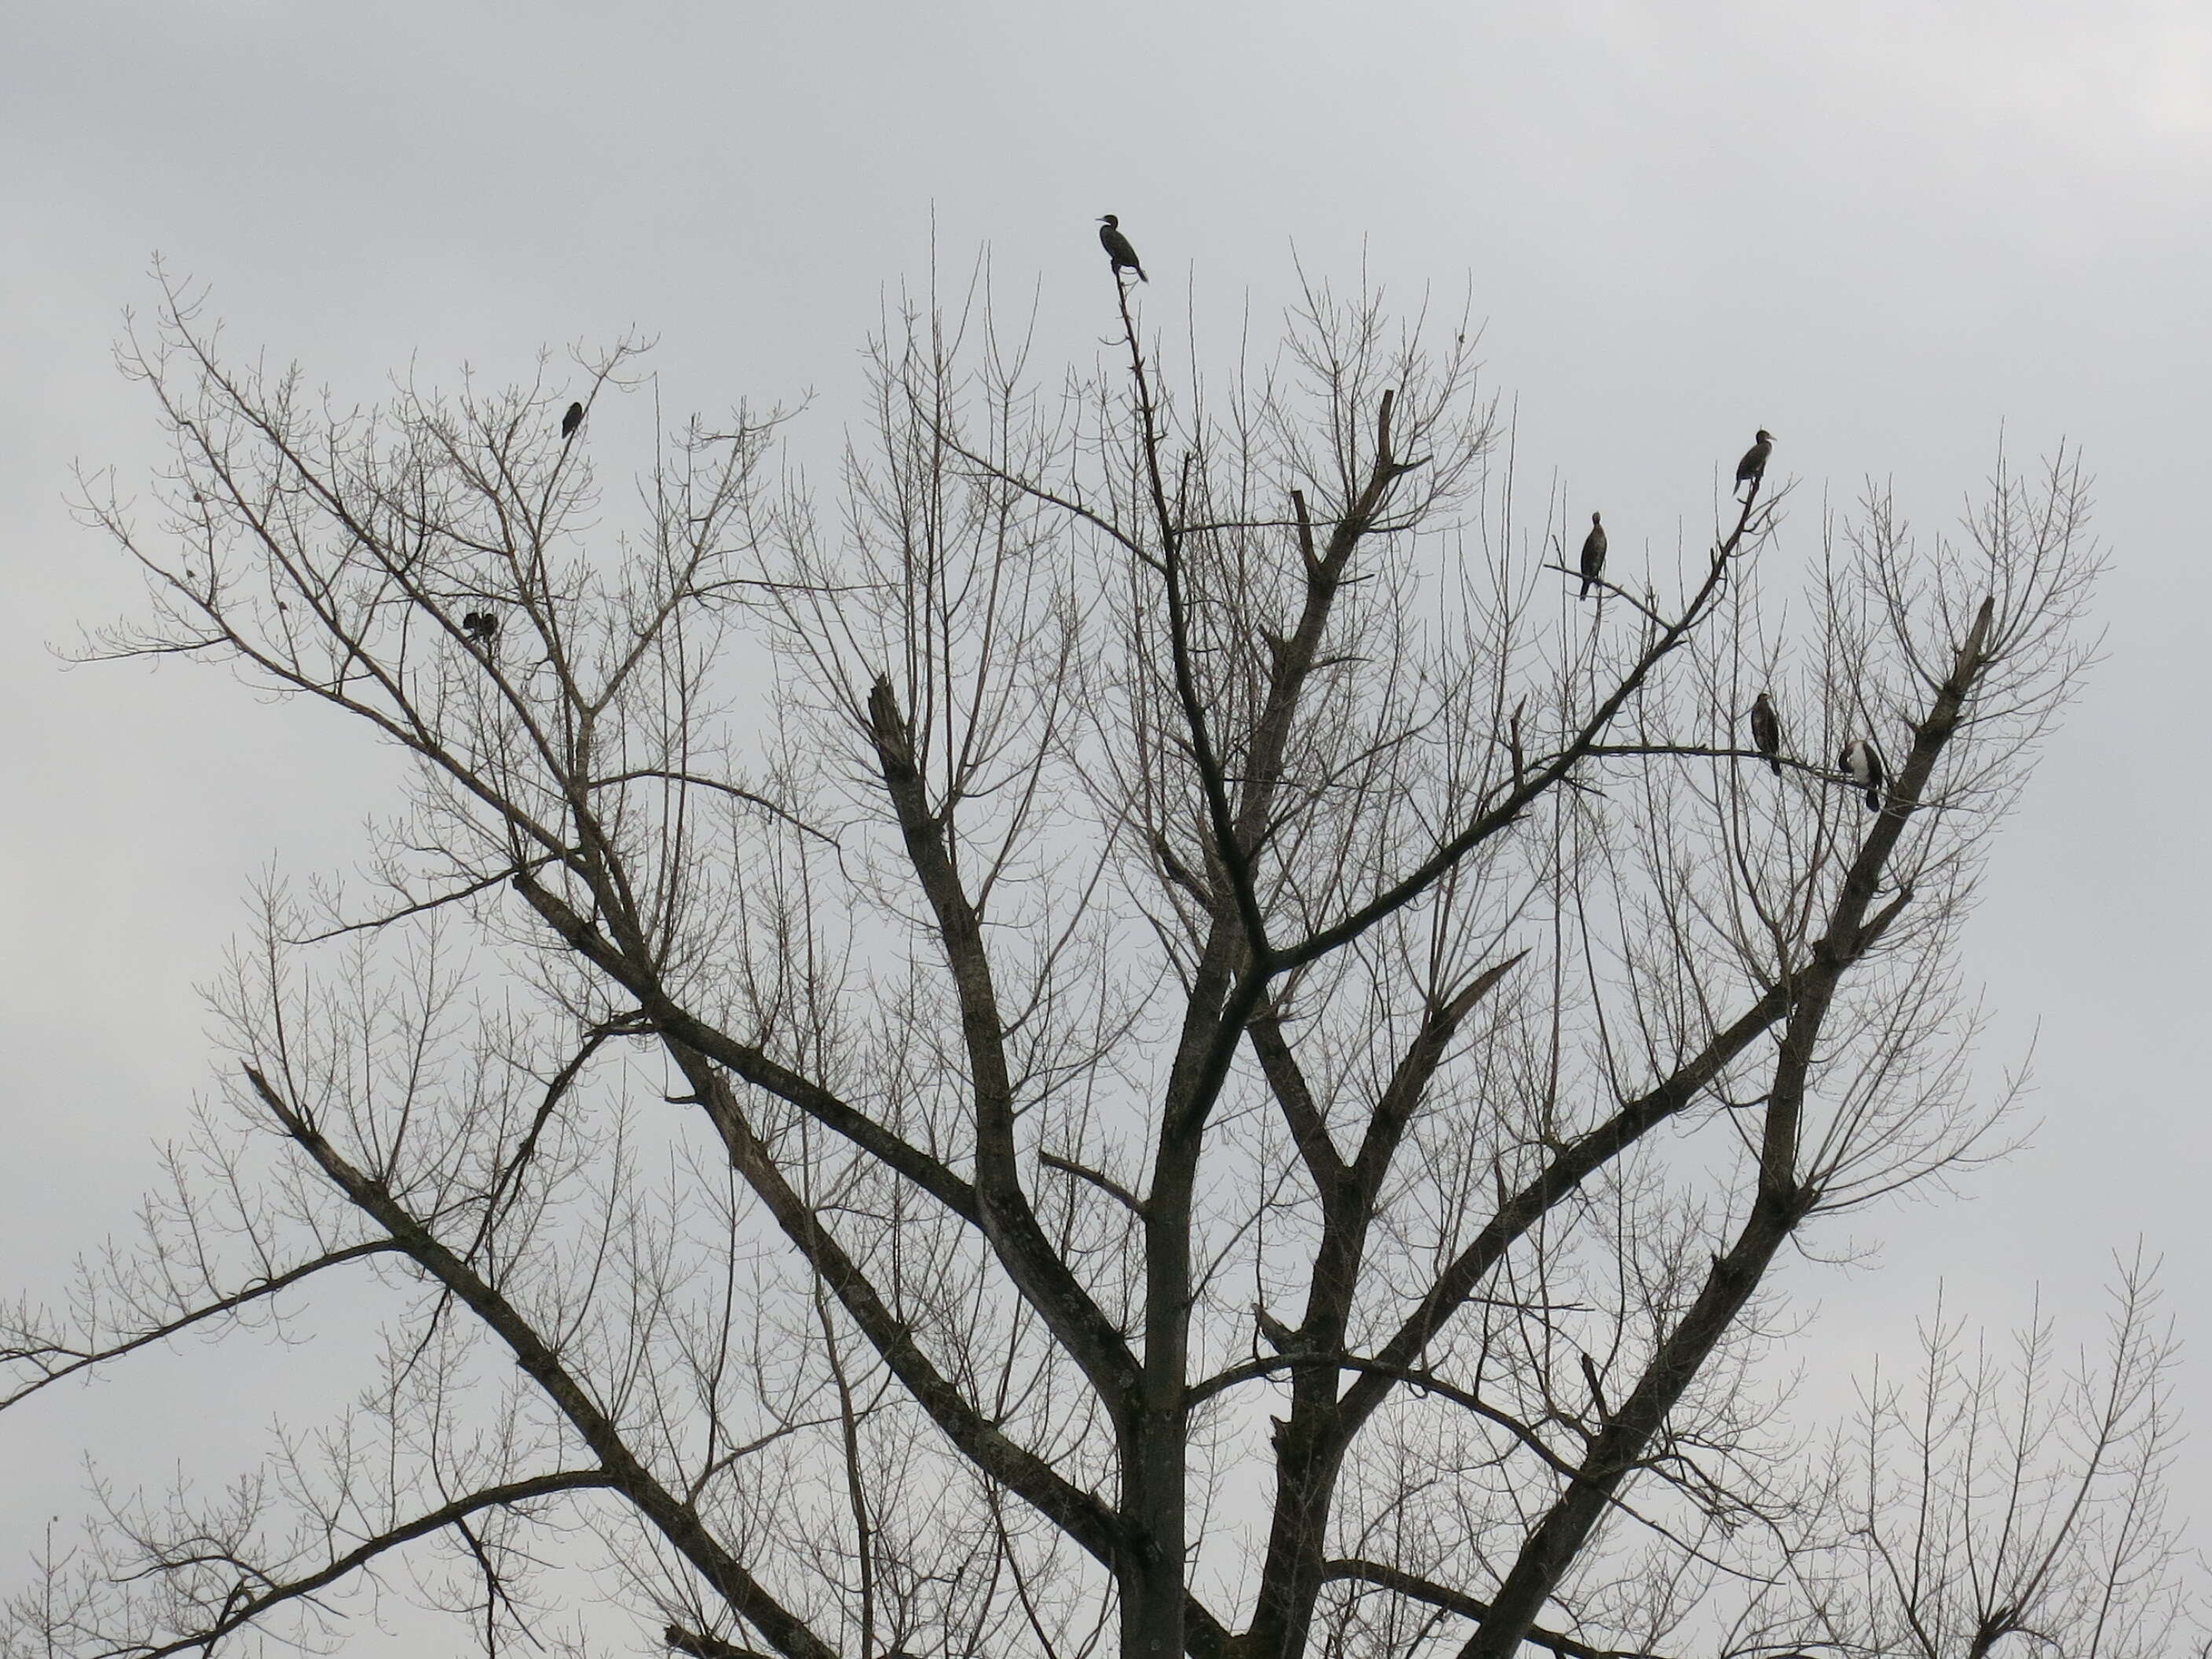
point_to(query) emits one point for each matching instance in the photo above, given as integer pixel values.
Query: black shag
(480, 626)
(1766, 730)
(1753, 467)
(571, 421)
(1118, 249)
(1862, 763)
(1593, 555)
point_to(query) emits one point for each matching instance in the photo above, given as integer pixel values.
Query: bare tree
(1138, 1031)
(1986, 1500)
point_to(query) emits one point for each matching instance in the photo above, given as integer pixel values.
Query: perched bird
(1281, 1337)
(1753, 467)
(1862, 764)
(480, 626)
(1118, 249)
(1593, 555)
(571, 420)
(1766, 730)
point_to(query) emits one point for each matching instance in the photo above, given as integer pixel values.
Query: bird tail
(1774, 765)
(1586, 588)
(1874, 798)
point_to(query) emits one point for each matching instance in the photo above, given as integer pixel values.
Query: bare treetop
(1131, 1029)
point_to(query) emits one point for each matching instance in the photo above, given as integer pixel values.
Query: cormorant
(1118, 249)
(1753, 467)
(1862, 764)
(480, 626)
(571, 421)
(1593, 555)
(1766, 730)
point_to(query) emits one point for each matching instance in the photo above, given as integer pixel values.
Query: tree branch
(240, 1611)
(55, 1361)
(1417, 1589)
(1106, 1184)
(1036, 1267)
(1783, 1199)
(675, 1520)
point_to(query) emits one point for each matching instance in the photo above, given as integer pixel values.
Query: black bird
(480, 626)
(1753, 467)
(571, 421)
(1118, 249)
(1593, 555)
(1862, 764)
(1766, 730)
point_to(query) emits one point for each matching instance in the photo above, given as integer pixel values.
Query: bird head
(1593, 517)
(1765, 437)
(1112, 222)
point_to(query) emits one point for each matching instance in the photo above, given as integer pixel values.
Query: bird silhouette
(1862, 764)
(1593, 555)
(1753, 467)
(1118, 249)
(571, 421)
(1766, 730)
(480, 626)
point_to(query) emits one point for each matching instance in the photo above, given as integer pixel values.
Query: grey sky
(1885, 231)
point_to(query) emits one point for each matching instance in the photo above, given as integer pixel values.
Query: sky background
(1894, 234)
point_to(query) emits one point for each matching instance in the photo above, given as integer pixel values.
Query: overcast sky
(1891, 233)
